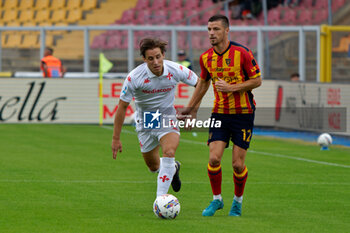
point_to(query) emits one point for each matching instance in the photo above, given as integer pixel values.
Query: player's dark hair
(295, 75)
(222, 18)
(152, 43)
(49, 49)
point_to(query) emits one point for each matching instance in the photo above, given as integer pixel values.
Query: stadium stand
(68, 44)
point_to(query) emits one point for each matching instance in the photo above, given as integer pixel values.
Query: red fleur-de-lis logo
(164, 178)
(146, 80)
(169, 76)
(129, 78)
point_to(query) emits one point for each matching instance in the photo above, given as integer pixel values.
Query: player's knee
(238, 166)
(214, 161)
(154, 168)
(169, 153)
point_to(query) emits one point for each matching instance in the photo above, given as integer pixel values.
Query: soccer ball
(324, 140)
(166, 206)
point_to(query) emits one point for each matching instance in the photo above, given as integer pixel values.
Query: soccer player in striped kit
(233, 72)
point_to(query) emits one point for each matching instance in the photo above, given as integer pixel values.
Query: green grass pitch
(62, 178)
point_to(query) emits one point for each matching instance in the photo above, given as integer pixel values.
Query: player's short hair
(49, 49)
(152, 43)
(295, 75)
(222, 18)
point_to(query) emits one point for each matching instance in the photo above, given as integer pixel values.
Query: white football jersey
(152, 92)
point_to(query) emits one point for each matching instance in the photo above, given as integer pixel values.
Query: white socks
(238, 199)
(165, 175)
(217, 197)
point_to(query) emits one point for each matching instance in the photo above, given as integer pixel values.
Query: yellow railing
(326, 50)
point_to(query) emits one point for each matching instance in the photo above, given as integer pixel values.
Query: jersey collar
(220, 54)
(151, 75)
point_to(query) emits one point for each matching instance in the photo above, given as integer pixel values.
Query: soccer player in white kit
(153, 84)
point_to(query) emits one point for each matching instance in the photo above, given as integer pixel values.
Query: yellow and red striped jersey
(235, 65)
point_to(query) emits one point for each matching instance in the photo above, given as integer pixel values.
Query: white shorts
(150, 139)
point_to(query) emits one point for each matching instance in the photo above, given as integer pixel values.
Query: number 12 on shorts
(247, 134)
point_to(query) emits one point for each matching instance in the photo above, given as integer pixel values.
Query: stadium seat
(42, 15)
(9, 4)
(29, 41)
(59, 15)
(307, 4)
(26, 15)
(321, 4)
(124, 44)
(174, 4)
(142, 5)
(343, 45)
(252, 43)
(144, 17)
(321, 15)
(89, 4)
(273, 15)
(98, 42)
(242, 39)
(194, 17)
(49, 40)
(175, 16)
(114, 41)
(128, 16)
(290, 17)
(196, 41)
(3, 40)
(57, 5)
(336, 4)
(191, 5)
(26, 4)
(72, 4)
(206, 43)
(10, 15)
(158, 4)
(182, 40)
(160, 17)
(205, 4)
(305, 17)
(42, 4)
(74, 15)
(13, 40)
(206, 15)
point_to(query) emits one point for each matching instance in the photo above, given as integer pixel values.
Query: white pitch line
(300, 159)
(257, 152)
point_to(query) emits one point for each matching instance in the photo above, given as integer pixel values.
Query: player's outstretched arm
(118, 124)
(201, 88)
(193, 105)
